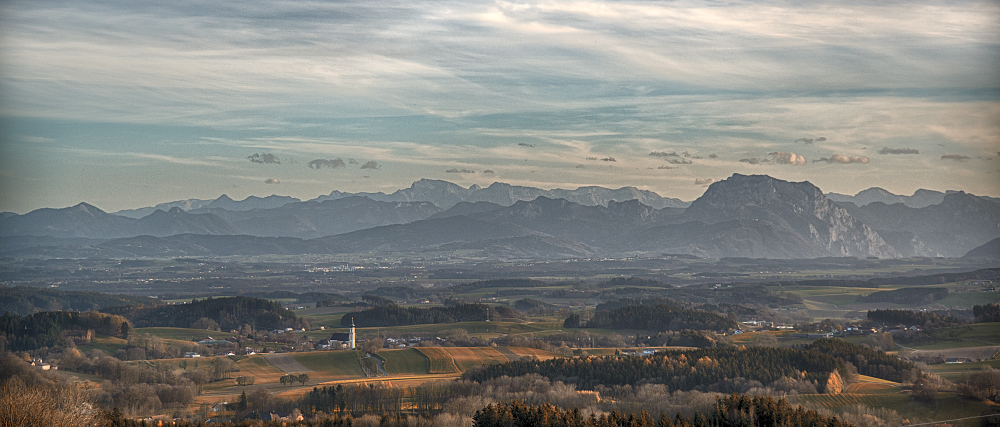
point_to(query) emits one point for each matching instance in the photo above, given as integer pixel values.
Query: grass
(331, 364)
(949, 406)
(408, 361)
(867, 379)
(440, 361)
(109, 345)
(955, 371)
(258, 367)
(183, 334)
(473, 357)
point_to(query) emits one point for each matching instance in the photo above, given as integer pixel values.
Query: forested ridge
(732, 410)
(867, 361)
(47, 329)
(228, 313)
(910, 296)
(703, 369)
(656, 317)
(25, 300)
(396, 315)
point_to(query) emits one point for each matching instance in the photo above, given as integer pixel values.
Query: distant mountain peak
(86, 207)
(798, 207)
(445, 194)
(920, 198)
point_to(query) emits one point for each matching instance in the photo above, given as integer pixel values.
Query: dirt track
(286, 363)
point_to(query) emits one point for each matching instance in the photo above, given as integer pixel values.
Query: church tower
(351, 338)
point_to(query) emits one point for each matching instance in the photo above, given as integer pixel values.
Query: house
(44, 366)
(191, 354)
(818, 336)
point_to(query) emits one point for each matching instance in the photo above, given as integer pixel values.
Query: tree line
(732, 410)
(907, 296)
(657, 317)
(46, 329)
(711, 369)
(890, 317)
(25, 300)
(228, 313)
(867, 361)
(986, 313)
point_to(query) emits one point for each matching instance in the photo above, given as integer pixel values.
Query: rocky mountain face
(796, 207)
(445, 195)
(950, 229)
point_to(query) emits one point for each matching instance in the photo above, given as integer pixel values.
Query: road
(378, 362)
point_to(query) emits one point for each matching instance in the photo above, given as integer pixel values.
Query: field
(955, 371)
(533, 352)
(183, 334)
(440, 361)
(948, 407)
(473, 357)
(408, 361)
(331, 365)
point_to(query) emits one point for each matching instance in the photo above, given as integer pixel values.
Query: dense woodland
(722, 369)
(867, 361)
(653, 318)
(732, 410)
(229, 313)
(51, 328)
(907, 296)
(395, 315)
(986, 313)
(25, 300)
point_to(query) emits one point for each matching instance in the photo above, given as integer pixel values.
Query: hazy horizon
(129, 104)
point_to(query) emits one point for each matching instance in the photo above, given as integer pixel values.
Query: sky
(125, 104)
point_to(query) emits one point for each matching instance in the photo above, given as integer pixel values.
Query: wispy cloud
(955, 157)
(842, 159)
(424, 86)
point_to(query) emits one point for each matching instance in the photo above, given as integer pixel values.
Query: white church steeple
(352, 336)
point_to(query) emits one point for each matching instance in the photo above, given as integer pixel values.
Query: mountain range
(743, 216)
